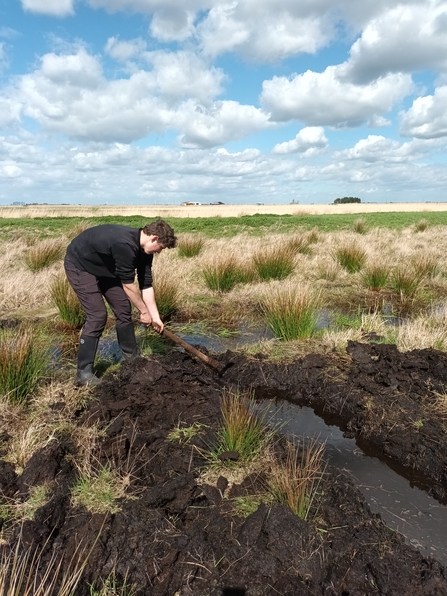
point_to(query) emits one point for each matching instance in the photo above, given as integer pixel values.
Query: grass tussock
(375, 276)
(275, 262)
(291, 312)
(223, 273)
(112, 586)
(360, 226)
(44, 253)
(190, 245)
(299, 243)
(421, 225)
(350, 256)
(30, 435)
(23, 363)
(406, 281)
(294, 482)
(243, 429)
(425, 264)
(167, 294)
(99, 491)
(66, 302)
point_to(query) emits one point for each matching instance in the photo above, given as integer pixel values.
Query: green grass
(421, 225)
(167, 295)
(243, 429)
(223, 274)
(227, 227)
(245, 506)
(152, 342)
(111, 586)
(359, 226)
(43, 254)
(98, 493)
(405, 281)
(342, 321)
(184, 434)
(275, 262)
(190, 245)
(290, 312)
(66, 302)
(375, 277)
(350, 256)
(23, 362)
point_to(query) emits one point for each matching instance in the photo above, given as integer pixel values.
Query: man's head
(163, 231)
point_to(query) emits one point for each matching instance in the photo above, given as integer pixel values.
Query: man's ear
(154, 238)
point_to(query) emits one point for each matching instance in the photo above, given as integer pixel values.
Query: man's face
(151, 245)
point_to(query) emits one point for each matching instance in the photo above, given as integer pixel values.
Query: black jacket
(111, 250)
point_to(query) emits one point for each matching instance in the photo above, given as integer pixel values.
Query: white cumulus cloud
(427, 117)
(404, 38)
(55, 8)
(171, 25)
(264, 32)
(378, 149)
(69, 95)
(308, 141)
(319, 99)
(124, 50)
(224, 121)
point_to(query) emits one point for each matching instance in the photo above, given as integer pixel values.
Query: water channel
(403, 506)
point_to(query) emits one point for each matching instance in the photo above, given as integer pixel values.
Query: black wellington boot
(127, 341)
(86, 357)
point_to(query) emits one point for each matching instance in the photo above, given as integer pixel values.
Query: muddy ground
(178, 537)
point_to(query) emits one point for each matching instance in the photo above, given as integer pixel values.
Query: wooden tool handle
(175, 338)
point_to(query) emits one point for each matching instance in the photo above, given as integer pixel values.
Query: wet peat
(175, 537)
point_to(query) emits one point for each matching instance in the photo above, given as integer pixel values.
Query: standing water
(402, 506)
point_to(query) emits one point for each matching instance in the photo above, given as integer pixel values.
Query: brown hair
(164, 232)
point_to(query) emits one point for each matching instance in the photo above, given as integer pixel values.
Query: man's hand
(157, 325)
(145, 318)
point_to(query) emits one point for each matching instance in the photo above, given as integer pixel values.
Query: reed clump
(359, 226)
(23, 363)
(190, 245)
(425, 264)
(66, 302)
(294, 482)
(43, 254)
(421, 225)
(291, 312)
(275, 262)
(406, 281)
(243, 430)
(167, 293)
(224, 272)
(350, 256)
(299, 243)
(375, 277)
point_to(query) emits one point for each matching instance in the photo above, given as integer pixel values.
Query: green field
(221, 227)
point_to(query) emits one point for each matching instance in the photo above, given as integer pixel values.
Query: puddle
(403, 507)
(215, 343)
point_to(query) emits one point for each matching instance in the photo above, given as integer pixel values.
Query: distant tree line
(347, 200)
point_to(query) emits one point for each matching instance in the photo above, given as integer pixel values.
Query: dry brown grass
(212, 210)
(25, 294)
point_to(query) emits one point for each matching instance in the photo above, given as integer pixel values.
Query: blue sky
(241, 101)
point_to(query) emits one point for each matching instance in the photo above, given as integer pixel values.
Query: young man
(101, 262)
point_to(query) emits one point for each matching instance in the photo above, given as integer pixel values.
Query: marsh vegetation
(316, 286)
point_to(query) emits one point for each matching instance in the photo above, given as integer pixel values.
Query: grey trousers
(91, 291)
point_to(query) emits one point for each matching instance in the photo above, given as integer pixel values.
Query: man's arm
(149, 301)
(134, 295)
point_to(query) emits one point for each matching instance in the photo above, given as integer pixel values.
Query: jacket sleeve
(144, 271)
